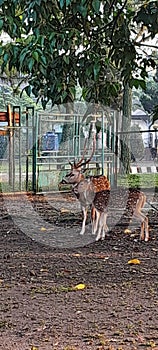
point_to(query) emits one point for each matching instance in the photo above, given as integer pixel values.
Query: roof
(140, 114)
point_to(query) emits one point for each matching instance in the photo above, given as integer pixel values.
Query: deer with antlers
(94, 191)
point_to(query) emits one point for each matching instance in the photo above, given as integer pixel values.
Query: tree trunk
(126, 125)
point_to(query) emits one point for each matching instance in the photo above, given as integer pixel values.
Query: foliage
(149, 97)
(7, 96)
(57, 44)
(155, 114)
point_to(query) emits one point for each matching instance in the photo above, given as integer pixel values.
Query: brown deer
(135, 203)
(94, 191)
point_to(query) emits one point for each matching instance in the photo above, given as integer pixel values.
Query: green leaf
(96, 5)
(22, 57)
(5, 57)
(72, 92)
(66, 59)
(28, 90)
(82, 10)
(142, 84)
(62, 3)
(30, 64)
(137, 83)
(42, 70)
(1, 2)
(35, 55)
(1, 24)
(43, 60)
(96, 70)
(64, 95)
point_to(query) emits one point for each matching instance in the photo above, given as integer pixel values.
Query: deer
(94, 191)
(135, 203)
(87, 195)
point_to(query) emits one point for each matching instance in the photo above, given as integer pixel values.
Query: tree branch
(147, 45)
(116, 19)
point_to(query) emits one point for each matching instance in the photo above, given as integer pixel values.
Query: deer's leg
(146, 229)
(144, 234)
(95, 219)
(100, 226)
(85, 210)
(142, 231)
(141, 218)
(105, 227)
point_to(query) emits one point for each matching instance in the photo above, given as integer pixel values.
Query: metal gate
(61, 137)
(38, 147)
(18, 138)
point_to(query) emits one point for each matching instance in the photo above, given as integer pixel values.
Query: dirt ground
(42, 260)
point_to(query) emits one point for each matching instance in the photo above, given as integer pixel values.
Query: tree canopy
(58, 44)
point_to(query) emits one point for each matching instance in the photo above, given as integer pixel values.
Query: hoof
(98, 239)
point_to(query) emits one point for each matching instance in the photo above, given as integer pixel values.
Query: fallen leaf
(32, 272)
(43, 229)
(34, 348)
(127, 231)
(63, 210)
(134, 262)
(79, 286)
(76, 254)
(151, 343)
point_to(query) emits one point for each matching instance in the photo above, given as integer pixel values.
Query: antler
(76, 165)
(93, 150)
(79, 163)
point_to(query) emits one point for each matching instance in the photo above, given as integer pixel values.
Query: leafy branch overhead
(59, 44)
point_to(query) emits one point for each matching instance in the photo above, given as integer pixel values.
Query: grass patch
(138, 180)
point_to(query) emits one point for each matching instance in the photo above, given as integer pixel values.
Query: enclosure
(37, 147)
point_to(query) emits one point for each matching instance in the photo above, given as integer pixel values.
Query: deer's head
(78, 168)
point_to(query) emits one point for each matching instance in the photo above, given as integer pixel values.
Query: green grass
(138, 180)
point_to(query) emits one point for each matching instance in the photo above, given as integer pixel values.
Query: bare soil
(43, 258)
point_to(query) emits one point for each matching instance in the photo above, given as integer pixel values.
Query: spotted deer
(135, 203)
(92, 191)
